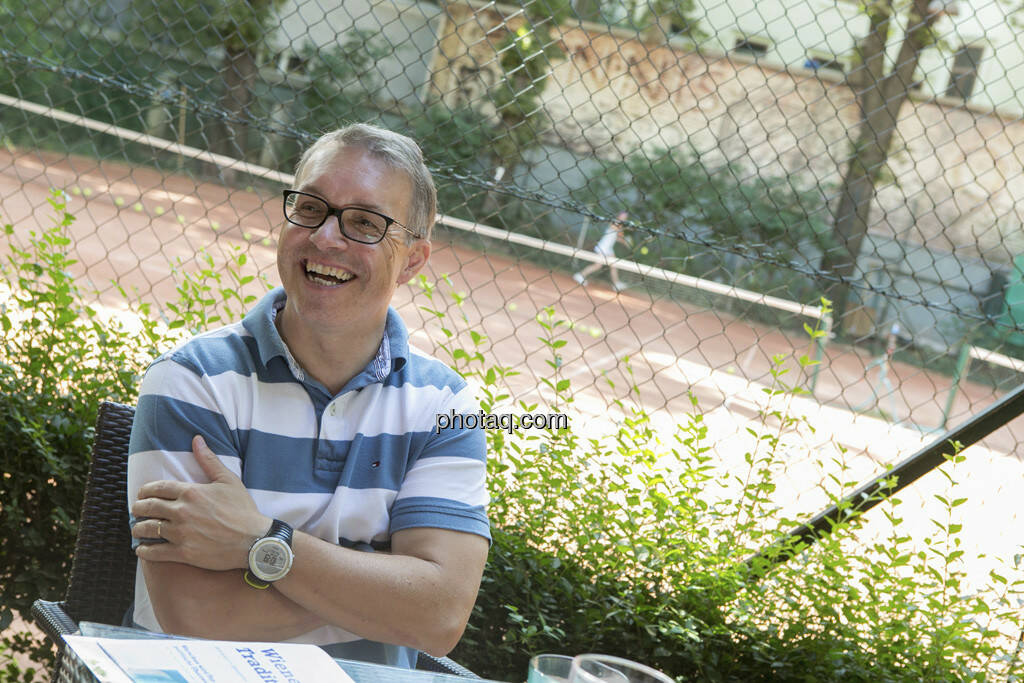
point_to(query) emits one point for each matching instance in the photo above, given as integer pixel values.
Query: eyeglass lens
(356, 224)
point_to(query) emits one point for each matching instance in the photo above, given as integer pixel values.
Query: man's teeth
(337, 274)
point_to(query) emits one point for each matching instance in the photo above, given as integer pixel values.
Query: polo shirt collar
(392, 355)
(396, 338)
(259, 322)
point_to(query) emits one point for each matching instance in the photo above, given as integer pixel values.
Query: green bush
(454, 143)
(11, 670)
(59, 359)
(638, 545)
(341, 80)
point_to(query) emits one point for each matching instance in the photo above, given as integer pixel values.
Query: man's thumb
(207, 459)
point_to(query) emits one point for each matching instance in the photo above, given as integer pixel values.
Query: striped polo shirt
(351, 468)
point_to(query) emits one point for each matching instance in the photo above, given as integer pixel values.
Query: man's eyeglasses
(359, 225)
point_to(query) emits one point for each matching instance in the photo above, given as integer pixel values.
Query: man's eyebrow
(362, 205)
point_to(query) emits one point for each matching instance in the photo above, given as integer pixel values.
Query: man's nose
(328, 235)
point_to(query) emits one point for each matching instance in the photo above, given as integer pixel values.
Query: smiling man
(285, 478)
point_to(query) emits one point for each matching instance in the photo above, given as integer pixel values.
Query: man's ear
(415, 259)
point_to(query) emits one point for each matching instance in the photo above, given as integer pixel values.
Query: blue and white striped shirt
(350, 468)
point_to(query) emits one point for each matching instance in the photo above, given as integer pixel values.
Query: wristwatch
(270, 557)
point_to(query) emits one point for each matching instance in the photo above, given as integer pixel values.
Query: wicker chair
(102, 583)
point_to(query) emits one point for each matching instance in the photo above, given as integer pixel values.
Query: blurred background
(768, 154)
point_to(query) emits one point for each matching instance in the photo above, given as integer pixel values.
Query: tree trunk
(881, 97)
(588, 10)
(238, 73)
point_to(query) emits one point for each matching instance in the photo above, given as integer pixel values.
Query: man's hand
(210, 526)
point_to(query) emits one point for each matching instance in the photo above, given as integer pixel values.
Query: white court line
(142, 138)
(996, 358)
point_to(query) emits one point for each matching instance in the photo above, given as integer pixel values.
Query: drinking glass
(549, 669)
(593, 668)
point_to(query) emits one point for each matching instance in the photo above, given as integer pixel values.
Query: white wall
(796, 28)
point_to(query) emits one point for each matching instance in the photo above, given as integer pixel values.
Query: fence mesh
(765, 155)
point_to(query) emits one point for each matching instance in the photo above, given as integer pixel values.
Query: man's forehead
(364, 178)
(323, 159)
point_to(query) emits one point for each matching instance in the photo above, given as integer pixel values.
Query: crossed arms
(419, 594)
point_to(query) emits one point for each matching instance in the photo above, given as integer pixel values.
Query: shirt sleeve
(446, 487)
(174, 405)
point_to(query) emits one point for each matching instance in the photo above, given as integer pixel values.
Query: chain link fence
(766, 155)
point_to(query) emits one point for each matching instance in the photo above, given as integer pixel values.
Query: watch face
(270, 559)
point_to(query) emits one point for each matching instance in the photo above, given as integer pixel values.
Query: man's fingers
(159, 552)
(151, 528)
(154, 508)
(208, 460)
(164, 489)
(154, 528)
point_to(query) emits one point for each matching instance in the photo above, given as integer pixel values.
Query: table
(74, 670)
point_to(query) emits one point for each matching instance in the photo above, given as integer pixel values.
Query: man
(285, 478)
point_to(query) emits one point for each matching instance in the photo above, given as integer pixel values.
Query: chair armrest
(444, 665)
(51, 618)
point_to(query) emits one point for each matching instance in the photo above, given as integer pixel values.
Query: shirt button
(332, 409)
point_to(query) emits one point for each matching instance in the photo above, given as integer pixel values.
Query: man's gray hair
(397, 151)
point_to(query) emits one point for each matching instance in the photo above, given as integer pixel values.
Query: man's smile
(326, 275)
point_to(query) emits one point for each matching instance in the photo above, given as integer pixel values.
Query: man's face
(336, 285)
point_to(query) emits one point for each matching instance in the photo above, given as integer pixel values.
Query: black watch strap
(282, 530)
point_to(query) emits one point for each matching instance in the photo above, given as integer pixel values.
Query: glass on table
(594, 668)
(549, 669)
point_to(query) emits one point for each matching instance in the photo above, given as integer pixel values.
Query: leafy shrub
(341, 80)
(11, 670)
(454, 144)
(59, 359)
(641, 546)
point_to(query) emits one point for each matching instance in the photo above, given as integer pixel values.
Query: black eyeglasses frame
(336, 212)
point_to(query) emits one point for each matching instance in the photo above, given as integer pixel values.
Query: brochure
(113, 660)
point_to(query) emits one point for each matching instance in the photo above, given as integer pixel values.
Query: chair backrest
(102, 582)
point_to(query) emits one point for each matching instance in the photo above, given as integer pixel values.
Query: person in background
(606, 247)
(285, 479)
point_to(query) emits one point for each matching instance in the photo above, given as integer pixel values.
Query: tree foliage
(341, 80)
(233, 33)
(527, 54)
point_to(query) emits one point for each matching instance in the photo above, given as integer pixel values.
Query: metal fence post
(962, 361)
(182, 118)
